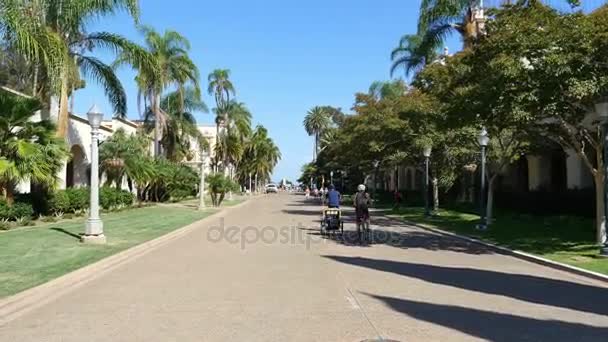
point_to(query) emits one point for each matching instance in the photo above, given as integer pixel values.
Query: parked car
(271, 188)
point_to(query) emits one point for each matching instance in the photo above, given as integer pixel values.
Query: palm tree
(385, 90)
(120, 156)
(221, 88)
(409, 56)
(181, 128)
(170, 65)
(259, 158)
(66, 21)
(28, 150)
(315, 122)
(440, 18)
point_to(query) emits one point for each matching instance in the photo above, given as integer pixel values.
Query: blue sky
(285, 56)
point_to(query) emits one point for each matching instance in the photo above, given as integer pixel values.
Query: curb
(19, 304)
(515, 253)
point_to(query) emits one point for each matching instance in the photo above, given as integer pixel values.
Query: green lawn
(34, 255)
(565, 239)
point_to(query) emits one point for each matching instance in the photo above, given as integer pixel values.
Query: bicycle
(363, 229)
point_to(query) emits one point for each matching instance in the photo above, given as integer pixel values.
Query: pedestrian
(397, 199)
(307, 193)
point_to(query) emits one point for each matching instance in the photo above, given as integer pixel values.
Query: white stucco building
(76, 170)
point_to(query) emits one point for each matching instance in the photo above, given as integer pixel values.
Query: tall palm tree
(231, 142)
(170, 65)
(221, 87)
(409, 56)
(181, 128)
(67, 21)
(28, 150)
(315, 122)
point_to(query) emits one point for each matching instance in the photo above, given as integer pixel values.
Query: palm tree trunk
(64, 116)
(157, 125)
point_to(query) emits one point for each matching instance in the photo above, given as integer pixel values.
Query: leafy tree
(28, 149)
(551, 69)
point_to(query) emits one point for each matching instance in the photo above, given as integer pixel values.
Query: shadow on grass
(494, 326)
(529, 288)
(61, 230)
(533, 234)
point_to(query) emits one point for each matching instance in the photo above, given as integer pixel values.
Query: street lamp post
(601, 108)
(426, 152)
(331, 177)
(483, 139)
(201, 195)
(93, 233)
(376, 164)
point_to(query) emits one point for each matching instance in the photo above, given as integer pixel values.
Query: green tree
(316, 121)
(409, 56)
(67, 21)
(221, 87)
(28, 150)
(181, 128)
(120, 155)
(547, 70)
(169, 64)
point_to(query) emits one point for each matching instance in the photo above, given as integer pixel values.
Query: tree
(550, 69)
(120, 155)
(221, 87)
(387, 89)
(260, 156)
(67, 21)
(169, 64)
(409, 56)
(28, 149)
(218, 185)
(181, 128)
(315, 122)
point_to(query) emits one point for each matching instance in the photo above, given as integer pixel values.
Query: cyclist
(333, 197)
(362, 202)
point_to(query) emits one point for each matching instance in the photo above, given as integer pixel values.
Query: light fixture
(95, 117)
(483, 137)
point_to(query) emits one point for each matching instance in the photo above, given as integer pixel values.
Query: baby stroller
(331, 221)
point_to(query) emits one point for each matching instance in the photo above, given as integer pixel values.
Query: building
(76, 170)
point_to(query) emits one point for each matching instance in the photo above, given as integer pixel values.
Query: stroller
(331, 221)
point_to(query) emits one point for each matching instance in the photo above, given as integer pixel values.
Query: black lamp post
(483, 140)
(426, 152)
(601, 108)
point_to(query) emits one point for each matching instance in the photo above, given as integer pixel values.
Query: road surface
(263, 273)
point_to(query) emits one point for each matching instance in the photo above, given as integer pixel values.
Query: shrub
(219, 185)
(15, 212)
(59, 202)
(78, 199)
(111, 198)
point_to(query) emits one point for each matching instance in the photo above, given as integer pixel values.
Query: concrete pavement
(263, 273)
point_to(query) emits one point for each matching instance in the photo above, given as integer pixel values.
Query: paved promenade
(263, 273)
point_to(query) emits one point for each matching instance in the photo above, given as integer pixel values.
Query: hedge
(17, 211)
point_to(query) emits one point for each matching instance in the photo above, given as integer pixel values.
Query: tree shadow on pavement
(302, 212)
(529, 288)
(388, 232)
(494, 326)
